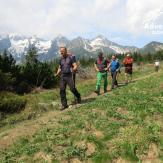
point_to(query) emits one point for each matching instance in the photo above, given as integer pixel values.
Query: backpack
(128, 61)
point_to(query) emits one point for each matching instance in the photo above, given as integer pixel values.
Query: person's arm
(124, 62)
(96, 68)
(132, 61)
(109, 65)
(74, 67)
(58, 71)
(118, 66)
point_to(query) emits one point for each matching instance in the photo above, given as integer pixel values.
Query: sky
(127, 22)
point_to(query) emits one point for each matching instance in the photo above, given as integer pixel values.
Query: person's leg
(130, 76)
(105, 77)
(114, 81)
(74, 78)
(72, 88)
(126, 77)
(115, 78)
(98, 84)
(63, 92)
(156, 68)
(112, 85)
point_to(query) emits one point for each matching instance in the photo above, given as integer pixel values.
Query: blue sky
(127, 22)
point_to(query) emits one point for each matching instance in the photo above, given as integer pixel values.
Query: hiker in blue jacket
(114, 67)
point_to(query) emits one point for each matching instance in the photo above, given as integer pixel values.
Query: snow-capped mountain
(4, 43)
(100, 42)
(18, 46)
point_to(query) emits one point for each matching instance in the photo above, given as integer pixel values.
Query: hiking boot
(63, 108)
(74, 102)
(116, 86)
(79, 100)
(111, 88)
(97, 92)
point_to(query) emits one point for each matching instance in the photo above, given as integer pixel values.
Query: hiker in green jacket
(101, 67)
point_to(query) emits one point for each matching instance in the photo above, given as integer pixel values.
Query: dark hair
(100, 53)
(114, 55)
(63, 47)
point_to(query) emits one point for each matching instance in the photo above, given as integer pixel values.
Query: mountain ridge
(18, 46)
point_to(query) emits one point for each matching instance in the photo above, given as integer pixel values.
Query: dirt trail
(147, 76)
(29, 128)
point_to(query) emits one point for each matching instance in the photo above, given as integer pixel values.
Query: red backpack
(128, 61)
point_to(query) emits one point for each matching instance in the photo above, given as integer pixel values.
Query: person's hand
(106, 69)
(74, 70)
(97, 70)
(56, 75)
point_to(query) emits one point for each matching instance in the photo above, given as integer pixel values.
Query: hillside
(124, 125)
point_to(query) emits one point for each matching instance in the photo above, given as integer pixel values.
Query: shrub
(6, 81)
(23, 87)
(11, 103)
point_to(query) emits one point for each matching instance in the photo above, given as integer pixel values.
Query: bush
(23, 87)
(6, 81)
(11, 103)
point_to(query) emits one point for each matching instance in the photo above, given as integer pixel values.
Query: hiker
(101, 67)
(119, 71)
(128, 63)
(73, 72)
(108, 60)
(157, 65)
(67, 64)
(114, 67)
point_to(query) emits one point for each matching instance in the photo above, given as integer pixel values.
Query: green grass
(121, 124)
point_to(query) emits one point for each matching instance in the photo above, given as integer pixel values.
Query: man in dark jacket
(66, 66)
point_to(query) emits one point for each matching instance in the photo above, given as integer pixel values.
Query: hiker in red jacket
(128, 63)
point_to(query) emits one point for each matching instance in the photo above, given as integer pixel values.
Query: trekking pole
(73, 79)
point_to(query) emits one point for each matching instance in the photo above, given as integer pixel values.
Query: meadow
(121, 126)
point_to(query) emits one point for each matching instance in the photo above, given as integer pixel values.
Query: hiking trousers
(100, 76)
(114, 79)
(67, 80)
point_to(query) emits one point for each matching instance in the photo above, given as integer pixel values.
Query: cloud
(140, 12)
(48, 18)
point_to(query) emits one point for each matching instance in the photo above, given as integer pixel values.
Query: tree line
(24, 77)
(32, 73)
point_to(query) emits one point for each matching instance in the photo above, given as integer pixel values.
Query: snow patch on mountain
(118, 49)
(20, 45)
(98, 42)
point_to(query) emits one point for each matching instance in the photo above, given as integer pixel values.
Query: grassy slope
(123, 125)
